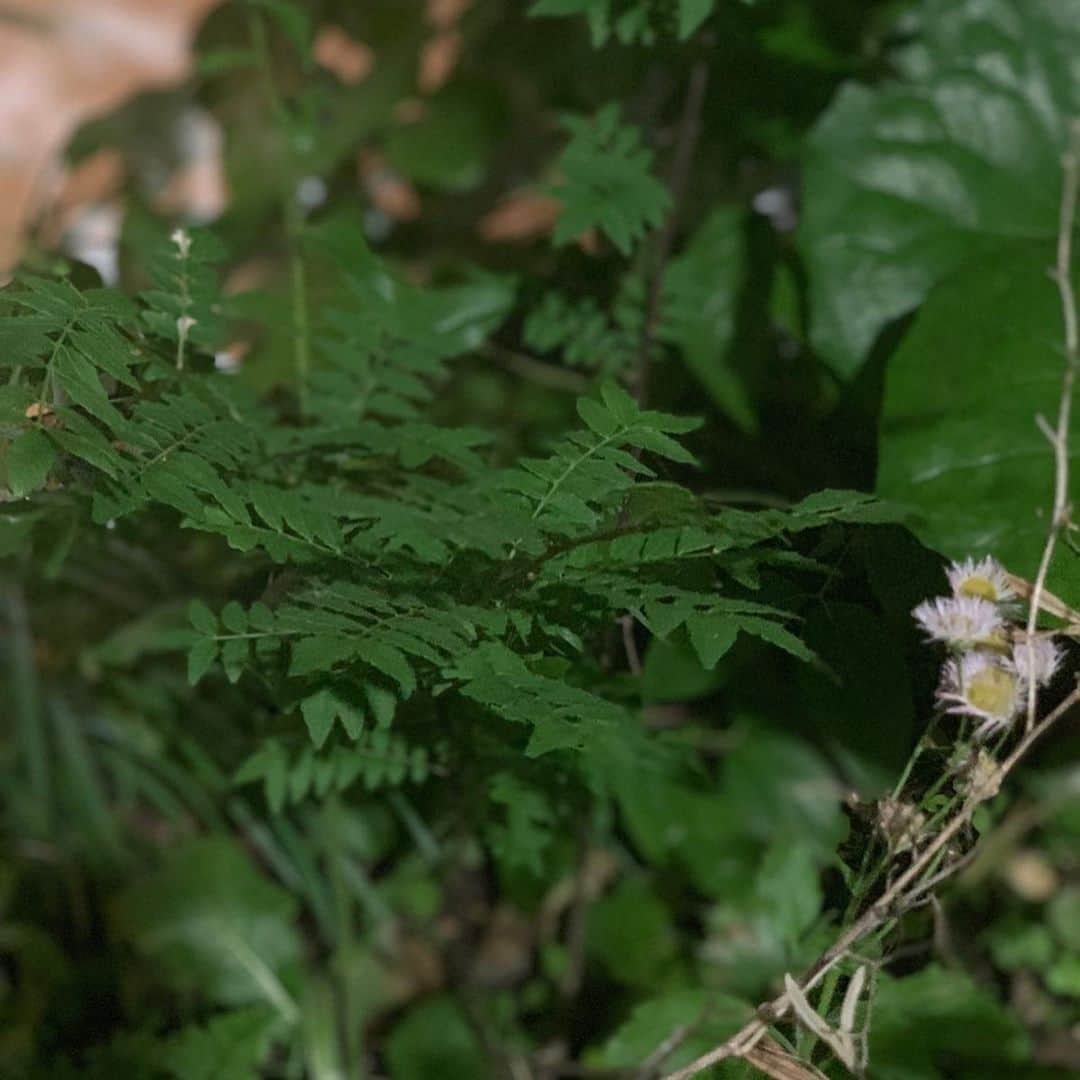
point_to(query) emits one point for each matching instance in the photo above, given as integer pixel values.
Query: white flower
(1037, 660)
(182, 239)
(986, 579)
(960, 620)
(983, 685)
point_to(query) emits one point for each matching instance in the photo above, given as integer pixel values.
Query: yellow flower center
(978, 586)
(997, 642)
(992, 691)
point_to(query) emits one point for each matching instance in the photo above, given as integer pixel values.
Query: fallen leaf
(438, 58)
(446, 13)
(520, 216)
(350, 60)
(63, 62)
(388, 190)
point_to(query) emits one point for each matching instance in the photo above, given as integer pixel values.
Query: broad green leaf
(713, 1018)
(959, 440)
(320, 653)
(1064, 917)
(906, 180)
(712, 636)
(211, 924)
(783, 786)
(692, 13)
(447, 149)
(940, 1022)
(202, 618)
(630, 932)
(1063, 977)
(231, 1045)
(701, 294)
(788, 889)
(318, 711)
(234, 617)
(699, 831)
(235, 656)
(434, 1039)
(29, 459)
(201, 658)
(322, 708)
(81, 383)
(672, 672)
(1017, 944)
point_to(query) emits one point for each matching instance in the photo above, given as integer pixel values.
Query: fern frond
(607, 184)
(588, 474)
(375, 759)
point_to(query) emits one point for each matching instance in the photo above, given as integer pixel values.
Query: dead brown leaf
(520, 216)
(446, 13)
(773, 1060)
(388, 190)
(350, 60)
(438, 58)
(504, 955)
(63, 62)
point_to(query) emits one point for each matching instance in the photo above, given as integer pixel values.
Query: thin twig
(633, 657)
(1059, 438)
(772, 1059)
(679, 177)
(528, 367)
(685, 145)
(577, 924)
(651, 1065)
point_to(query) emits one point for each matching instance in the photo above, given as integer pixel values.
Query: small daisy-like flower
(985, 686)
(1037, 660)
(986, 579)
(961, 620)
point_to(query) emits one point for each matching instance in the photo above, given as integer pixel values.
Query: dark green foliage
(506, 667)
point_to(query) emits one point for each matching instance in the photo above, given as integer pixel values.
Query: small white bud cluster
(988, 673)
(182, 239)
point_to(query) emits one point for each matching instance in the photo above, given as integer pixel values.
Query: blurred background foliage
(173, 905)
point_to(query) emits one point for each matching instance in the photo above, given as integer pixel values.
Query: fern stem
(300, 317)
(294, 220)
